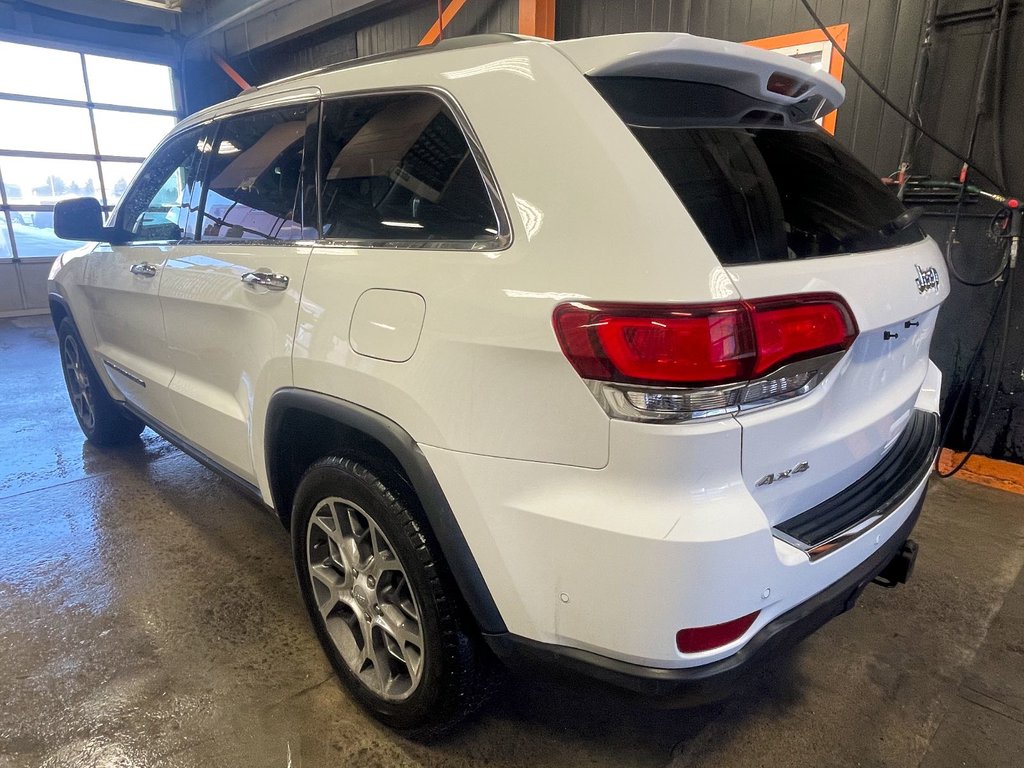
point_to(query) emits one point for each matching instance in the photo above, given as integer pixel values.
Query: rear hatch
(788, 211)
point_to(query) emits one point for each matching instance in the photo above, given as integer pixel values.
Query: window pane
(117, 177)
(39, 242)
(5, 240)
(254, 172)
(132, 83)
(45, 128)
(35, 71)
(128, 134)
(398, 168)
(43, 182)
(158, 204)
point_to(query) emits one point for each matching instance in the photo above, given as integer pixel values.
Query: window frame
(7, 209)
(501, 241)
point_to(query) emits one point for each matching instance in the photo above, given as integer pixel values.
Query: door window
(253, 183)
(397, 167)
(161, 204)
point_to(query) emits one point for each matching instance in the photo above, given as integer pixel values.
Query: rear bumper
(709, 682)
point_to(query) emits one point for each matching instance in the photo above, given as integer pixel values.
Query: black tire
(453, 666)
(103, 421)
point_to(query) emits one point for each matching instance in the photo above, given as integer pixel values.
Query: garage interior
(148, 610)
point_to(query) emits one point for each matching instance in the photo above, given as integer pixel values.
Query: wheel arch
(59, 310)
(304, 426)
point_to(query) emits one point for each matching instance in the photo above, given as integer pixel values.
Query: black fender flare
(400, 443)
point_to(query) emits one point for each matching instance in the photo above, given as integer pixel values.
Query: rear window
(762, 182)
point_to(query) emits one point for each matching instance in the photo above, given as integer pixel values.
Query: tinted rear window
(763, 183)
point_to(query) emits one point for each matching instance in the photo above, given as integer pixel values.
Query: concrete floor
(149, 617)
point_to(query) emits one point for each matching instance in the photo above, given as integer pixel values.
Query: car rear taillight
(697, 639)
(676, 362)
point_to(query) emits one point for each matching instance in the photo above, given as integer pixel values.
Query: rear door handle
(144, 269)
(272, 281)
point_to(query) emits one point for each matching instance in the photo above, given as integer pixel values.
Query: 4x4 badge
(927, 279)
(803, 466)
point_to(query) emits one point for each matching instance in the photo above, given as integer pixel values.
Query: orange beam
(537, 18)
(840, 32)
(231, 72)
(435, 31)
(982, 470)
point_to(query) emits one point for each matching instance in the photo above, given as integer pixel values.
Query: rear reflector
(699, 639)
(703, 344)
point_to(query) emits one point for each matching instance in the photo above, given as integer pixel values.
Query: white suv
(598, 354)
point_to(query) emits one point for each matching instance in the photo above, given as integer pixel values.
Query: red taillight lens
(799, 327)
(697, 639)
(700, 345)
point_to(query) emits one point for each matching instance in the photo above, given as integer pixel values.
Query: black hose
(997, 91)
(881, 94)
(1007, 292)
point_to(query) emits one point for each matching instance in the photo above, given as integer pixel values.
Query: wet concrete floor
(149, 617)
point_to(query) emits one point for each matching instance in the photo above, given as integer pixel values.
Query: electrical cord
(1005, 292)
(892, 105)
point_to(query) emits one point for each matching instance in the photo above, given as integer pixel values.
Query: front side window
(253, 182)
(397, 168)
(161, 203)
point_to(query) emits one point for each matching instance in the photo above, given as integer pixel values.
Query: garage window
(74, 125)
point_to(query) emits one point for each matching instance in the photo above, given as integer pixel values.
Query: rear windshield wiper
(901, 222)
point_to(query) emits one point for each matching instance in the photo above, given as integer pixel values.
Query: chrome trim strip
(123, 372)
(613, 396)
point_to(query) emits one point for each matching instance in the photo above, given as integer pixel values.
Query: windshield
(760, 185)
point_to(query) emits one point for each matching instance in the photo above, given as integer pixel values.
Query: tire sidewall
(347, 481)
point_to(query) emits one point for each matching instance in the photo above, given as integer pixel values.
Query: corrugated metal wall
(393, 28)
(407, 29)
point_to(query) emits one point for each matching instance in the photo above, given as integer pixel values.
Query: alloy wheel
(365, 599)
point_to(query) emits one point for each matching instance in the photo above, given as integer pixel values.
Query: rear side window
(760, 185)
(253, 179)
(397, 167)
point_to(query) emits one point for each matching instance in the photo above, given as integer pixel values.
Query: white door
(122, 282)
(230, 298)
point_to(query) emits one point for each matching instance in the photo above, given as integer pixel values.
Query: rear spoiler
(759, 74)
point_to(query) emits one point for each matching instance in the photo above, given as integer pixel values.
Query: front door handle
(272, 281)
(144, 269)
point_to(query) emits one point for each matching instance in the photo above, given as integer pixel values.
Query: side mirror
(81, 218)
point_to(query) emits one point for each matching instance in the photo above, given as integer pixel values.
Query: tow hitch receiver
(900, 567)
